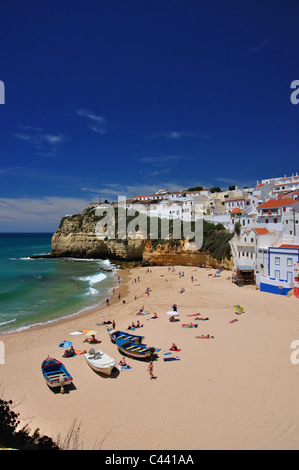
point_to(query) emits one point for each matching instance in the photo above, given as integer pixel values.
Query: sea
(42, 290)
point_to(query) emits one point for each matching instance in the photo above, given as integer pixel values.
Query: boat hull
(55, 373)
(137, 351)
(100, 362)
(117, 335)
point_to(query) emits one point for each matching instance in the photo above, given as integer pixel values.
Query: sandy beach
(237, 390)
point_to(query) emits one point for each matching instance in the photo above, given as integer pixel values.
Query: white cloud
(41, 140)
(96, 123)
(173, 135)
(162, 160)
(37, 214)
(112, 191)
(258, 47)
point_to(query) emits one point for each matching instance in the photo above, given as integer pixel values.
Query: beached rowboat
(121, 335)
(55, 373)
(100, 361)
(132, 349)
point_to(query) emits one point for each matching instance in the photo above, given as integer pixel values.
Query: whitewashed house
(250, 248)
(271, 213)
(283, 260)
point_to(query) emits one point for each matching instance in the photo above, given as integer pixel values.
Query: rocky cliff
(76, 237)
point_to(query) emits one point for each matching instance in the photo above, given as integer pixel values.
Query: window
(290, 262)
(277, 260)
(251, 240)
(275, 221)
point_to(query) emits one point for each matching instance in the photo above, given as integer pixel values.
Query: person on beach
(122, 362)
(173, 347)
(69, 352)
(151, 370)
(92, 340)
(113, 325)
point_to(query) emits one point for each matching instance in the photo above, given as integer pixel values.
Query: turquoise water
(37, 291)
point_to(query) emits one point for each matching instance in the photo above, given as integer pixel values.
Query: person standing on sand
(151, 370)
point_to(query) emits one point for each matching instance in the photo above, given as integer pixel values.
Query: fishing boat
(121, 335)
(100, 361)
(132, 349)
(55, 373)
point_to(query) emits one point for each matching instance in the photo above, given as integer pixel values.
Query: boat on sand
(132, 349)
(55, 373)
(99, 361)
(121, 335)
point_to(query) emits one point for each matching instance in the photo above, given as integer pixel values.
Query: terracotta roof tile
(276, 203)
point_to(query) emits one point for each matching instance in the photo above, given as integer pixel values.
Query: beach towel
(171, 358)
(193, 315)
(189, 326)
(175, 350)
(125, 367)
(65, 344)
(233, 321)
(166, 354)
(76, 333)
(78, 353)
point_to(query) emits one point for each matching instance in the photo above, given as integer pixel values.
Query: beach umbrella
(172, 312)
(91, 333)
(65, 344)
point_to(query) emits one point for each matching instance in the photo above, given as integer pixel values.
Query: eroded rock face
(76, 237)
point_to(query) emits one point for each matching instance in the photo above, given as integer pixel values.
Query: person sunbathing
(69, 352)
(92, 340)
(205, 337)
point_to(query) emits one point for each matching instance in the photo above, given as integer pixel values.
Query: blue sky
(124, 97)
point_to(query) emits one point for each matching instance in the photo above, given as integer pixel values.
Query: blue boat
(55, 373)
(121, 335)
(132, 349)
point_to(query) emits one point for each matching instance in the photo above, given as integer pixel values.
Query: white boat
(100, 361)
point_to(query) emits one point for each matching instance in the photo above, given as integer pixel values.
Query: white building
(281, 269)
(250, 248)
